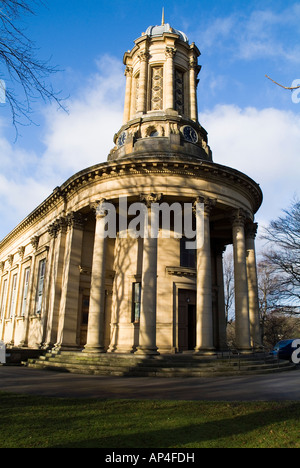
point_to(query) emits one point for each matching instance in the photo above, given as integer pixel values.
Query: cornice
(169, 164)
(165, 164)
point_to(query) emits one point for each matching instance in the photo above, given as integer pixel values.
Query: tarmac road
(281, 386)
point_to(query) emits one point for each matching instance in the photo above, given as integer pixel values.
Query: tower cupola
(160, 110)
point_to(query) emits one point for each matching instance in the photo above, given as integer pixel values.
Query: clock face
(190, 134)
(121, 139)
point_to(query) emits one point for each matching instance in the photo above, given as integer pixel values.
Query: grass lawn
(39, 422)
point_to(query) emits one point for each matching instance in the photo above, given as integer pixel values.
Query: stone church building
(66, 284)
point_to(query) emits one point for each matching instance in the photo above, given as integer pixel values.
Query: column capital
(209, 204)
(10, 260)
(75, 220)
(58, 225)
(170, 52)
(150, 198)
(98, 207)
(35, 242)
(128, 71)
(143, 56)
(239, 217)
(21, 252)
(251, 230)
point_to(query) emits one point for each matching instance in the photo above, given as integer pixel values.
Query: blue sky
(253, 125)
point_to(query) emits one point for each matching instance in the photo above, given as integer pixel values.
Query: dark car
(283, 349)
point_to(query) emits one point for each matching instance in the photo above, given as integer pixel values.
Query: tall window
(13, 296)
(25, 291)
(179, 91)
(157, 84)
(3, 299)
(136, 302)
(187, 256)
(40, 290)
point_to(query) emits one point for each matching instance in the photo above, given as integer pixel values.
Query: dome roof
(164, 28)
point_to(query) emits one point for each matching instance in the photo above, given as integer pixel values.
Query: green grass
(39, 422)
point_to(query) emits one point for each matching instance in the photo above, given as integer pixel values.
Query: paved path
(282, 386)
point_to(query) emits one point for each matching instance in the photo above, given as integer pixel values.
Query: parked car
(283, 349)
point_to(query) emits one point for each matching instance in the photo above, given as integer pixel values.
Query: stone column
(128, 94)
(57, 232)
(96, 322)
(30, 294)
(169, 79)
(147, 337)
(142, 98)
(242, 326)
(222, 339)
(69, 304)
(255, 333)
(204, 339)
(193, 89)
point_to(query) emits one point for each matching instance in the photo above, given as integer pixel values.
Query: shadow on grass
(74, 423)
(253, 429)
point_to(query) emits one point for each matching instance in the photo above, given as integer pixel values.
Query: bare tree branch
(283, 257)
(25, 76)
(284, 87)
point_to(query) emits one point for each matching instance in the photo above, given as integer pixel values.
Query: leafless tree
(283, 257)
(25, 76)
(273, 312)
(229, 285)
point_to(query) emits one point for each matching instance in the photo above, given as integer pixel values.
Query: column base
(205, 351)
(94, 349)
(146, 351)
(120, 350)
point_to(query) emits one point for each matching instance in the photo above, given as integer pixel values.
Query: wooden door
(186, 319)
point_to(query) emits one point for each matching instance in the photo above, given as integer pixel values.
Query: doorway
(186, 320)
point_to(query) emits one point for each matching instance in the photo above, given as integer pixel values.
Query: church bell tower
(160, 111)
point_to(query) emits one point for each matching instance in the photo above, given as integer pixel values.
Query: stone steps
(157, 366)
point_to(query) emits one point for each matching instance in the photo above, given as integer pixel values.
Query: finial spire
(163, 17)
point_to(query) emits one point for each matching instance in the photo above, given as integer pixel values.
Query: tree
(229, 286)
(22, 74)
(284, 256)
(275, 316)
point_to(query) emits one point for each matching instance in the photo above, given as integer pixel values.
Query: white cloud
(265, 33)
(85, 136)
(264, 144)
